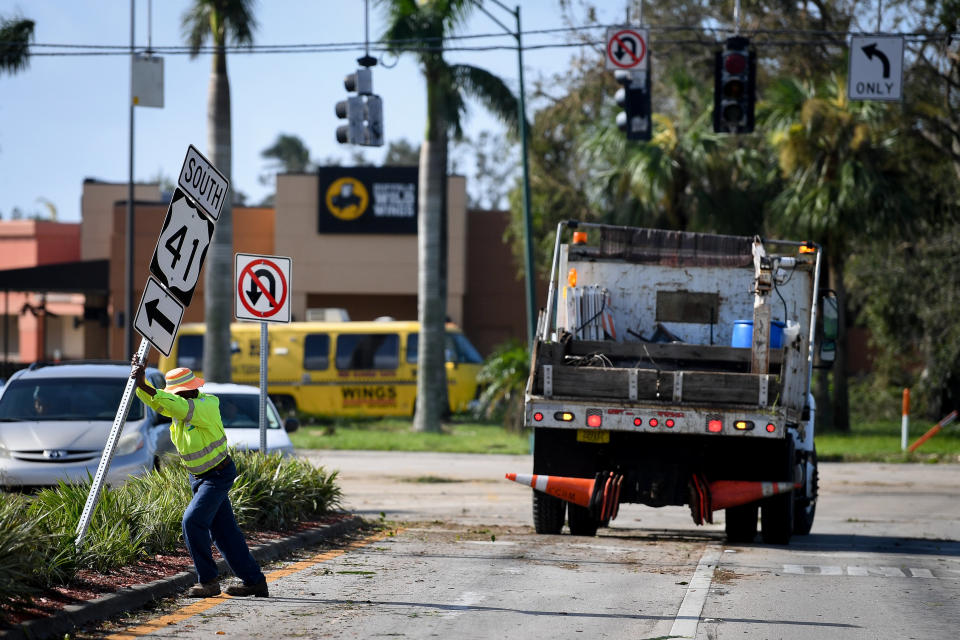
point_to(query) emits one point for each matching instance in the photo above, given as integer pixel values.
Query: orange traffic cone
(733, 493)
(575, 490)
(720, 494)
(600, 494)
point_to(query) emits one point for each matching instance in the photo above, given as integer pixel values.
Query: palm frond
(15, 37)
(195, 25)
(490, 90)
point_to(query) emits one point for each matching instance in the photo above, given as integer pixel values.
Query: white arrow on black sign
(158, 316)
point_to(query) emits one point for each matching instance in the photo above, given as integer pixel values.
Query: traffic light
(735, 74)
(634, 98)
(363, 112)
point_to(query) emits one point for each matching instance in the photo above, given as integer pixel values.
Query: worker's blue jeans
(210, 514)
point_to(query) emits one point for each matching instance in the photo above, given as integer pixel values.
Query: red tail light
(654, 422)
(670, 423)
(714, 425)
(538, 416)
(638, 422)
(771, 428)
(594, 420)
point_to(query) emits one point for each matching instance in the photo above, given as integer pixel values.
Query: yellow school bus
(336, 368)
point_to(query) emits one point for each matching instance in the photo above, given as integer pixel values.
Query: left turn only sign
(158, 316)
(181, 248)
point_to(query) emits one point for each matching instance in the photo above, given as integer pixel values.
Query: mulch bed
(89, 585)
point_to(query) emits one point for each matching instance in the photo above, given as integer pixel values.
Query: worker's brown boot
(259, 590)
(204, 589)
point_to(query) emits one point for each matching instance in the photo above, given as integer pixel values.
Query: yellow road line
(208, 603)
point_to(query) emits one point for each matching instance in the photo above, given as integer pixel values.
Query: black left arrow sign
(155, 314)
(871, 50)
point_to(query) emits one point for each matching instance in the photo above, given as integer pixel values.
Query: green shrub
(503, 379)
(274, 492)
(142, 517)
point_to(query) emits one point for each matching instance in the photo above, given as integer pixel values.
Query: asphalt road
(882, 562)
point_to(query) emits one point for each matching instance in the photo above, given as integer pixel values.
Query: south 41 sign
(181, 248)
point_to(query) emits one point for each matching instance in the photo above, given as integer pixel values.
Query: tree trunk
(841, 399)
(431, 298)
(218, 280)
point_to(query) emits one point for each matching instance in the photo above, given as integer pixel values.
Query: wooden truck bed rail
(669, 373)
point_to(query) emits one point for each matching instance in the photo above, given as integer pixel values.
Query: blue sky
(66, 118)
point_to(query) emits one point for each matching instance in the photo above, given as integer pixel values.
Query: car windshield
(65, 399)
(242, 411)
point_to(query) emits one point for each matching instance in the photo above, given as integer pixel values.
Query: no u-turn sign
(263, 287)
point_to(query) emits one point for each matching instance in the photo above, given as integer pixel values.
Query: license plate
(589, 435)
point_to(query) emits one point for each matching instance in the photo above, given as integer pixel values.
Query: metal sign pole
(263, 388)
(108, 451)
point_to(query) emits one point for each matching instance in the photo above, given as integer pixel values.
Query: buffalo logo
(347, 198)
(54, 454)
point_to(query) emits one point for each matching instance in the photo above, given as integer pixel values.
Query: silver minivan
(55, 420)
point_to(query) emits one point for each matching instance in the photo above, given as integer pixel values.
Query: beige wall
(340, 265)
(96, 210)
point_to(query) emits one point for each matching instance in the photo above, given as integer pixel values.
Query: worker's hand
(136, 369)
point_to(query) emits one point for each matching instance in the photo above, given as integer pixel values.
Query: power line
(424, 45)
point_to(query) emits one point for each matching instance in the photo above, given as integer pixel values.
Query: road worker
(197, 432)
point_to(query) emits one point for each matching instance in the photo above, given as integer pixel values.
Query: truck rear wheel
(548, 513)
(582, 523)
(741, 523)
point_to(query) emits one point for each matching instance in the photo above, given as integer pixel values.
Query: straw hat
(180, 379)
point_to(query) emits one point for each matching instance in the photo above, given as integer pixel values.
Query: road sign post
(119, 420)
(181, 249)
(263, 294)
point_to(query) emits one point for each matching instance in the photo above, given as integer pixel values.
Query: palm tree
(845, 183)
(15, 37)
(420, 26)
(218, 20)
(290, 153)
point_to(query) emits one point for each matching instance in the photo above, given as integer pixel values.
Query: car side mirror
(291, 424)
(830, 328)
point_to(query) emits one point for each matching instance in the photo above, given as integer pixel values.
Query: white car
(55, 420)
(240, 411)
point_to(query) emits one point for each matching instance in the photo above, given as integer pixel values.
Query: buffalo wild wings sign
(368, 200)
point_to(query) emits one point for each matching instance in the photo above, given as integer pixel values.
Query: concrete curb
(135, 597)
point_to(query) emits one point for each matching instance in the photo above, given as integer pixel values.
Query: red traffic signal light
(735, 73)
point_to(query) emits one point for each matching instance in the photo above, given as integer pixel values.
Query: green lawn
(868, 441)
(460, 435)
(880, 441)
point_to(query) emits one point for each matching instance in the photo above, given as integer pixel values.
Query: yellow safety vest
(196, 428)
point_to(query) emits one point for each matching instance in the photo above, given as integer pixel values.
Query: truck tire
(741, 523)
(548, 513)
(581, 522)
(805, 504)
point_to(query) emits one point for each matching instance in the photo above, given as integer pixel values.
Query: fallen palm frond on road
(140, 519)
